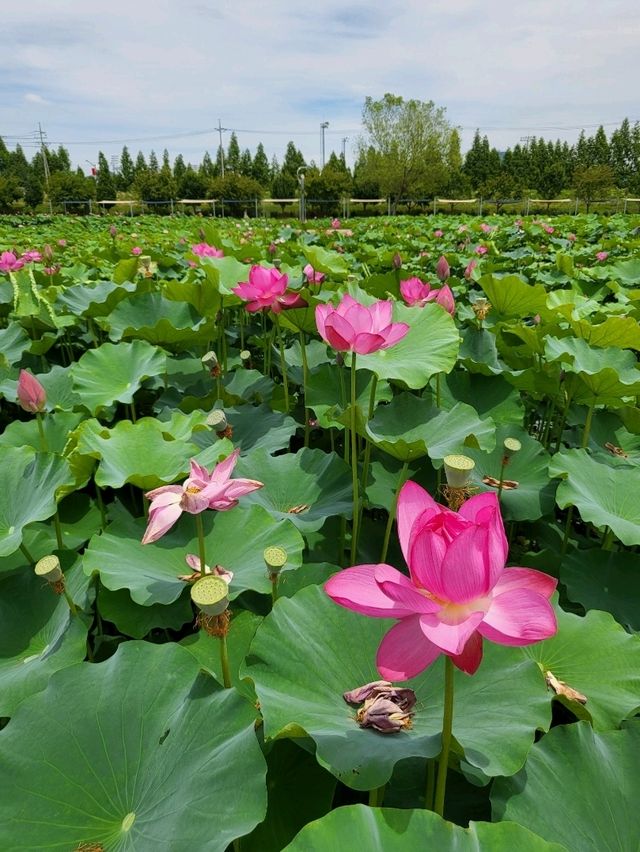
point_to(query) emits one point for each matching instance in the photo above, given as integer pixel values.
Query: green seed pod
(210, 594)
(458, 469)
(275, 558)
(49, 569)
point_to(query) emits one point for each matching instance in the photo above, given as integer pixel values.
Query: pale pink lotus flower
(10, 263)
(205, 250)
(470, 267)
(202, 490)
(571, 237)
(462, 229)
(193, 562)
(486, 229)
(136, 250)
(517, 223)
(352, 327)
(31, 256)
(438, 233)
(312, 276)
(267, 290)
(458, 592)
(443, 269)
(32, 396)
(549, 229)
(62, 243)
(416, 294)
(481, 250)
(602, 255)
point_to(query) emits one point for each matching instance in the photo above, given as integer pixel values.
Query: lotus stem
(447, 723)
(607, 539)
(354, 462)
(367, 446)
(27, 555)
(305, 373)
(44, 446)
(224, 662)
(376, 796)
(58, 529)
(103, 514)
(431, 784)
(392, 511)
(438, 390)
(201, 547)
(283, 364)
(132, 406)
(585, 441)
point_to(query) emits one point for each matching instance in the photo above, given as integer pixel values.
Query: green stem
(447, 722)
(103, 514)
(27, 555)
(224, 662)
(265, 343)
(201, 549)
(376, 797)
(73, 609)
(133, 411)
(501, 483)
(431, 784)
(392, 511)
(283, 364)
(354, 462)
(44, 446)
(305, 373)
(607, 539)
(274, 588)
(367, 447)
(587, 427)
(241, 329)
(585, 440)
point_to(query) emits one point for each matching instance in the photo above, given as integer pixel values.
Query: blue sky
(99, 75)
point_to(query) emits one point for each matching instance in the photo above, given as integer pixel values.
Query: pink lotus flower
(549, 229)
(205, 250)
(417, 294)
(517, 223)
(602, 255)
(312, 276)
(438, 233)
(267, 289)
(193, 562)
(442, 268)
(571, 238)
(31, 256)
(481, 250)
(202, 490)
(32, 396)
(62, 243)
(458, 592)
(136, 250)
(486, 229)
(470, 267)
(10, 263)
(352, 327)
(335, 223)
(52, 270)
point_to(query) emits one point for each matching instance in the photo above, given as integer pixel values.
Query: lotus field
(320, 536)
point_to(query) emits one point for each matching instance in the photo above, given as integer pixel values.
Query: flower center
(193, 489)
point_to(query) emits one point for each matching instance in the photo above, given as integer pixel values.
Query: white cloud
(33, 98)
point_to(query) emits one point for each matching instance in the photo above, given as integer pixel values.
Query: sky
(162, 73)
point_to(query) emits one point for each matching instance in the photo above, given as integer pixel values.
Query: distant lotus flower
(32, 396)
(202, 490)
(458, 593)
(571, 237)
(462, 229)
(335, 224)
(443, 269)
(113, 231)
(31, 256)
(352, 327)
(10, 263)
(602, 255)
(62, 243)
(486, 229)
(192, 264)
(272, 248)
(549, 229)
(267, 289)
(136, 250)
(52, 270)
(312, 276)
(481, 250)
(517, 223)
(470, 267)
(417, 294)
(396, 260)
(47, 252)
(205, 250)
(438, 233)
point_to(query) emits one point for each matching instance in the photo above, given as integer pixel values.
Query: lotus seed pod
(458, 469)
(245, 356)
(49, 569)
(217, 420)
(511, 446)
(210, 360)
(275, 558)
(210, 594)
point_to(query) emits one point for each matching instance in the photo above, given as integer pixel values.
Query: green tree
(246, 164)
(593, 182)
(11, 194)
(193, 185)
(105, 184)
(179, 169)
(207, 169)
(600, 153)
(325, 189)
(70, 186)
(260, 167)
(127, 170)
(232, 162)
(153, 166)
(141, 164)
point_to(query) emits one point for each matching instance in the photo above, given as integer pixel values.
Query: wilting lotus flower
(352, 327)
(32, 396)
(10, 263)
(31, 256)
(136, 250)
(312, 276)
(417, 294)
(458, 592)
(193, 562)
(267, 289)
(443, 269)
(202, 490)
(205, 250)
(602, 255)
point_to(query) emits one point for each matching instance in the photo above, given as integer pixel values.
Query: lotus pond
(322, 534)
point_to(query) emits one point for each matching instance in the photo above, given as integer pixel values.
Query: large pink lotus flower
(416, 294)
(352, 327)
(202, 490)
(10, 263)
(32, 396)
(458, 592)
(267, 290)
(205, 250)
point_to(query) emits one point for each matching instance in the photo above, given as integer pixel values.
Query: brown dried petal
(561, 688)
(383, 715)
(507, 484)
(361, 693)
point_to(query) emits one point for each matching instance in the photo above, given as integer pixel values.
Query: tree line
(408, 150)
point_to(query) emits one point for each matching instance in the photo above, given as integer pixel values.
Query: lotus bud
(210, 594)
(32, 396)
(275, 558)
(458, 469)
(443, 269)
(47, 252)
(272, 249)
(49, 569)
(396, 261)
(113, 231)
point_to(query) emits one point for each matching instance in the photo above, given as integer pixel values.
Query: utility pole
(526, 140)
(220, 129)
(43, 150)
(323, 127)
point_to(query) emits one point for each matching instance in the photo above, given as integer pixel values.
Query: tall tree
(153, 166)
(260, 167)
(105, 184)
(245, 167)
(233, 155)
(141, 164)
(127, 170)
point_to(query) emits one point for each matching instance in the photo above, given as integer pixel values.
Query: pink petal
(356, 589)
(346, 303)
(471, 656)
(428, 549)
(292, 300)
(449, 637)
(365, 343)
(381, 313)
(525, 578)
(157, 493)
(198, 474)
(484, 509)
(223, 470)
(359, 318)
(236, 488)
(465, 570)
(338, 332)
(322, 312)
(161, 519)
(412, 501)
(254, 307)
(400, 589)
(404, 651)
(192, 561)
(518, 617)
(394, 333)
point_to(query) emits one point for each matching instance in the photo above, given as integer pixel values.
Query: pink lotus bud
(470, 267)
(31, 395)
(443, 269)
(47, 252)
(602, 255)
(438, 233)
(571, 237)
(273, 248)
(396, 261)
(113, 231)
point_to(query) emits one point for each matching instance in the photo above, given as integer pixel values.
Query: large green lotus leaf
(410, 427)
(225, 273)
(605, 374)
(328, 392)
(30, 483)
(534, 495)
(163, 777)
(38, 635)
(137, 621)
(114, 372)
(627, 272)
(255, 426)
(596, 656)
(511, 296)
(478, 352)
(329, 262)
(608, 429)
(604, 496)
(14, 342)
(305, 488)
(58, 386)
(156, 319)
(489, 395)
(497, 711)
(206, 650)
(579, 788)
(395, 830)
(126, 270)
(138, 453)
(150, 572)
(607, 580)
(204, 298)
(623, 332)
(430, 347)
(56, 428)
(247, 386)
(92, 300)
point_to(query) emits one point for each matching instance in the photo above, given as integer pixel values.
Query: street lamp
(323, 127)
